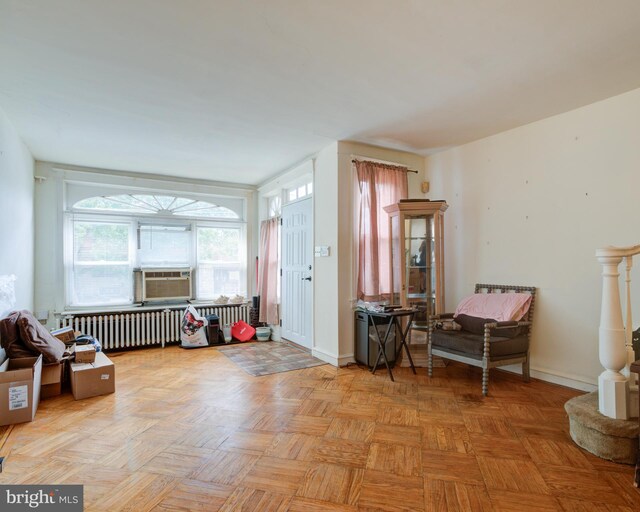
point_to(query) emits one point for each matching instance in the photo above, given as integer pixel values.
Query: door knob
(306, 278)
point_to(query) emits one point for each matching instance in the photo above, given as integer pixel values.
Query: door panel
(297, 286)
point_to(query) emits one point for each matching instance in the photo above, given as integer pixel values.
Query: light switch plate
(321, 251)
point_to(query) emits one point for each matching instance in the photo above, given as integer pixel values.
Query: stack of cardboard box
(24, 381)
(91, 373)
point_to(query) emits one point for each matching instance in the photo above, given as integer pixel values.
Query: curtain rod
(372, 161)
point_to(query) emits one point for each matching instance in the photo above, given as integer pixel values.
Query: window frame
(274, 205)
(163, 223)
(69, 258)
(71, 215)
(242, 253)
(211, 200)
(307, 185)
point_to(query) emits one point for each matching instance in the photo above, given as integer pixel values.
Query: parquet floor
(188, 430)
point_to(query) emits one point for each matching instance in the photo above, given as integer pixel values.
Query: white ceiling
(238, 90)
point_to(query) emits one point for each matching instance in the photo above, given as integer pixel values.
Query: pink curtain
(379, 185)
(268, 271)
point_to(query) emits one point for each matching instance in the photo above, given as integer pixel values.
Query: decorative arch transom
(156, 204)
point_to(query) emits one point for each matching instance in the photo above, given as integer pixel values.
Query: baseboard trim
(567, 381)
(346, 359)
(325, 356)
(341, 360)
(555, 377)
(543, 374)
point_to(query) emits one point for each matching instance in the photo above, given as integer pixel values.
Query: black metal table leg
(403, 342)
(392, 325)
(382, 346)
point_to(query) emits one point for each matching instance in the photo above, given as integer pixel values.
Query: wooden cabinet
(416, 230)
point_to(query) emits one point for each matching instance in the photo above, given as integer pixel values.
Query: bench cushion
(463, 342)
(475, 325)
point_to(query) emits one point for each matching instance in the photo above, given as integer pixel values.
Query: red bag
(242, 331)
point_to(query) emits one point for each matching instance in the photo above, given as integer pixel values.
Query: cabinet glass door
(419, 263)
(431, 302)
(396, 250)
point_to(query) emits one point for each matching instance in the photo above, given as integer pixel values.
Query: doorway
(297, 275)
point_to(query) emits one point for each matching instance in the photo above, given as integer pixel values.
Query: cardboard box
(85, 353)
(51, 379)
(51, 390)
(93, 379)
(19, 389)
(65, 334)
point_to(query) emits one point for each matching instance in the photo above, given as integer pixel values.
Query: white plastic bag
(193, 329)
(7, 294)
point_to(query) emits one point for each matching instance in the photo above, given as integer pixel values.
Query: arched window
(156, 204)
(113, 235)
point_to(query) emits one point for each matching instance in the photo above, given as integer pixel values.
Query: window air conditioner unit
(162, 284)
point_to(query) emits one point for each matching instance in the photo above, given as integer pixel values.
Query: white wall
(326, 290)
(16, 212)
(530, 206)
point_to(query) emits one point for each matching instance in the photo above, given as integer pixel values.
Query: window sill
(132, 308)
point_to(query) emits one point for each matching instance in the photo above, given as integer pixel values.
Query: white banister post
(613, 387)
(628, 331)
(632, 378)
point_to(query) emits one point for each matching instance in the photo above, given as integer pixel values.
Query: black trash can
(366, 346)
(213, 330)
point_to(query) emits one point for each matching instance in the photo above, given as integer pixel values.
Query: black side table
(392, 319)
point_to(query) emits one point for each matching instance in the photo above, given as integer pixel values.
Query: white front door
(297, 286)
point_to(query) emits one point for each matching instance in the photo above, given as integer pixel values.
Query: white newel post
(629, 322)
(613, 386)
(628, 327)
(632, 378)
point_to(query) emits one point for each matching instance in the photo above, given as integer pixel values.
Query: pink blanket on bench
(502, 307)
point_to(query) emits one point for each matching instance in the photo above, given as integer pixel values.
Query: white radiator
(117, 330)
